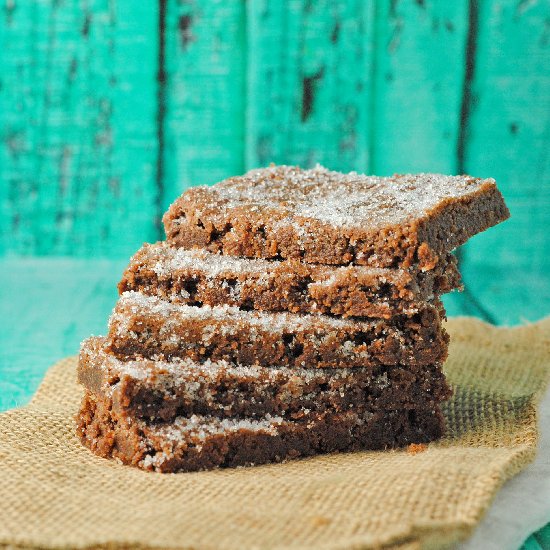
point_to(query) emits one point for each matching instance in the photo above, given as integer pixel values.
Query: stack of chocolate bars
(290, 312)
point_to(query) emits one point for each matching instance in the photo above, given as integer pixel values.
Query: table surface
(50, 305)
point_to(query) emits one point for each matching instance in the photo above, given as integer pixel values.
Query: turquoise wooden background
(110, 108)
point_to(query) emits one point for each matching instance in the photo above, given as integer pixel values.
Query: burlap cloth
(55, 493)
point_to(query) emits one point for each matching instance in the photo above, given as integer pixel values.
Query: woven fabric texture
(56, 494)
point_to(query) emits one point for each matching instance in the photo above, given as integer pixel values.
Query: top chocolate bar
(332, 218)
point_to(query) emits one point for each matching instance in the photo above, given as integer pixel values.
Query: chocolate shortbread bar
(197, 277)
(163, 390)
(327, 217)
(206, 442)
(149, 327)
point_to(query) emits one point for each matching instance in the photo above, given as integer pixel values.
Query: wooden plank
(419, 69)
(308, 83)
(52, 304)
(507, 135)
(78, 126)
(205, 94)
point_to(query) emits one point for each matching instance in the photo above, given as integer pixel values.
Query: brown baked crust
(202, 443)
(164, 390)
(326, 217)
(149, 327)
(196, 277)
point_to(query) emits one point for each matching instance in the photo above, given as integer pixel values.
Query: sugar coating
(340, 200)
(197, 277)
(136, 302)
(197, 430)
(168, 374)
(200, 427)
(165, 260)
(146, 326)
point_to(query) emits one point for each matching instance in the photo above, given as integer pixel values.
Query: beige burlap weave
(55, 493)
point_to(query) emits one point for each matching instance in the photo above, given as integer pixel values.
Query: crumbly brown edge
(137, 444)
(291, 285)
(158, 393)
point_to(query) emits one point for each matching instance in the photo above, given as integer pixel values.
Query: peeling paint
(309, 88)
(524, 5)
(73, 68)
(185, 23)
(9, 9)
(397, 20)
(335, 34)
(86, 25)
(65, 169)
